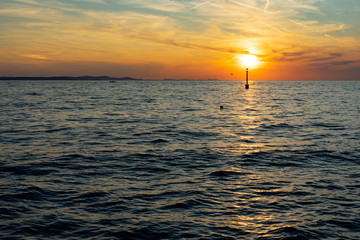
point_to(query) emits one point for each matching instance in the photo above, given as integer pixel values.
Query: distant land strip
(69, 78)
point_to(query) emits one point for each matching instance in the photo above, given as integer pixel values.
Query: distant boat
(112, 81)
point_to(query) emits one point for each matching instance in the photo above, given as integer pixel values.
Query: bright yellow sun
(248, 60)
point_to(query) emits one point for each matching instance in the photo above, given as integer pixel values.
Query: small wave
(112, 114)
(275, 158)
(106, 207)
(274, 192)
(191, 109)
(57, 130)
(89, 197)
(33, 94)
(354, 175)
(293, 158)
(159, 140)
(30, 193)
(301, 193)
(292, 232)
(327, 155)
(247, 141)
(142, 134)
(198, 134)
(27, 170)
(325, 185)
(278, 126)
(344, 223)
(76, 156)
(151, 232)
(12, 212)
(331, 126)
(141, 156)
(59, 227)
(108, 204)
(228, 232)
(95, 194)
(227, 173)
(184, 205)
(123, 99)
(151, 169)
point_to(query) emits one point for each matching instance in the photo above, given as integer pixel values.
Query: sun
(248, 60)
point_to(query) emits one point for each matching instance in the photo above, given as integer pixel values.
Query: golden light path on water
(243, 113)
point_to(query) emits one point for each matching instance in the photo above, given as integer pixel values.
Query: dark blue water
(161, 160)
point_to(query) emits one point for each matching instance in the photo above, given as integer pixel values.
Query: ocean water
(161, 160)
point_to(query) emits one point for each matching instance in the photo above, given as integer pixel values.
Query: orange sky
(293, 39)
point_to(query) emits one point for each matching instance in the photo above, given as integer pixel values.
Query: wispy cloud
(330, 64)
(35, 56)
(94, 1)
(160, 5)
(267, 5)
(331, 56)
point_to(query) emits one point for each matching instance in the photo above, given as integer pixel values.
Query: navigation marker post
(247, 79)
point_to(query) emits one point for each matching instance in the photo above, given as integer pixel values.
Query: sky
(181, 39)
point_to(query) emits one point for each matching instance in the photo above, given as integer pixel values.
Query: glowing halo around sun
(248, 60)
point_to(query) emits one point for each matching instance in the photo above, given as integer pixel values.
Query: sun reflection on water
(242, 122)
(250, 207)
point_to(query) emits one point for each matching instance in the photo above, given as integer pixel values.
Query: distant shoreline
(106, 78)
(98, 78)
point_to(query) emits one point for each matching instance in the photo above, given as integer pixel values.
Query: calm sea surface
(161, 160)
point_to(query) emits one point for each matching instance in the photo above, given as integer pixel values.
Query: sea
(163, 160)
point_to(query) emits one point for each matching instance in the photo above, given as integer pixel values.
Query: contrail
(329, 36)
(199, 5)
(245, 5)
(298, 23)
(267, 5)
(237, 2)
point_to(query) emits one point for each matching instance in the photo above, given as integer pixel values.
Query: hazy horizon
(122, 78)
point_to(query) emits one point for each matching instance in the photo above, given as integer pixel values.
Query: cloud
(35, 56)
(305, 55)
(32, 2)
(94, 1)
(336, 65)
(267, 5)
(342, 63)
(79, 68)
(293, 54)
(158, 5)
(330, 57)
(175, 43)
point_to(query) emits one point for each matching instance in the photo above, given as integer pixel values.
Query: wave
(227, 173)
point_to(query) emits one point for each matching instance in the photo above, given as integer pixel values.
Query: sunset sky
(183, 39)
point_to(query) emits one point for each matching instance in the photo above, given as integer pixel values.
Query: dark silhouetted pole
(247, 79)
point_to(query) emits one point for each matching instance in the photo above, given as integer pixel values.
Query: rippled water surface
(161, 160)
